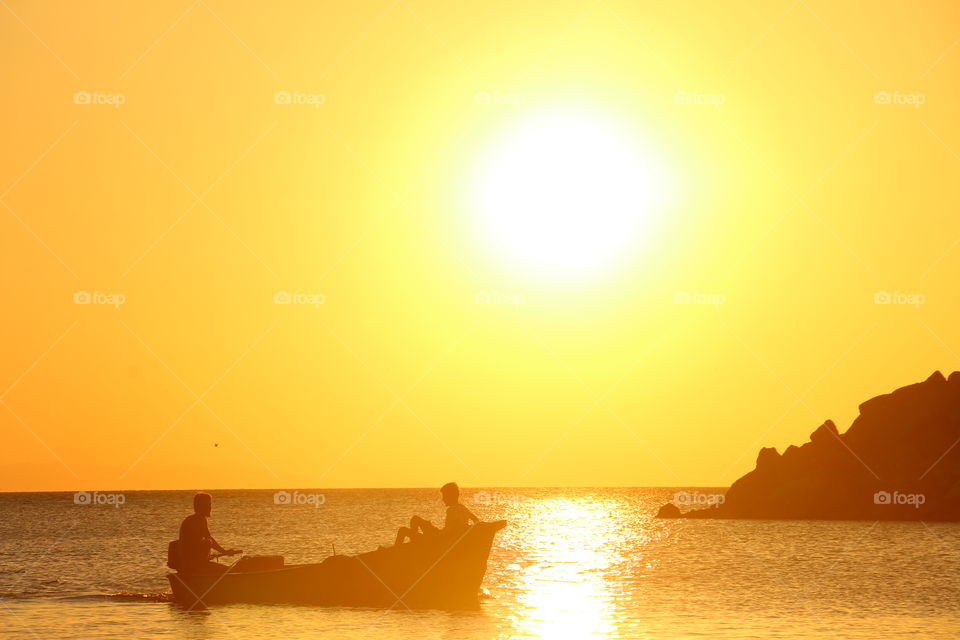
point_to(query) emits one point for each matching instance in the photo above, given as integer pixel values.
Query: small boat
(438, 572)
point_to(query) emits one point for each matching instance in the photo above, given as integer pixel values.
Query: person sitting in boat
(196, 541)
(458, 519)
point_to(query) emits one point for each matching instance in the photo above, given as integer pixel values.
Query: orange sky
(796, 195)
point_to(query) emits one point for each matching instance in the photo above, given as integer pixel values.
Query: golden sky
(808, 153)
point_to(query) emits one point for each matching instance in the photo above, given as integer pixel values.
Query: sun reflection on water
(564, 590)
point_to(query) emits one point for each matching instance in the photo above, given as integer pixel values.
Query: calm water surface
(573, 563)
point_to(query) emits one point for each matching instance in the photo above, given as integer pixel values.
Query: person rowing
(196, 543)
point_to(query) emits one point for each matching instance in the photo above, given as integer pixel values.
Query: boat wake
(121, 596)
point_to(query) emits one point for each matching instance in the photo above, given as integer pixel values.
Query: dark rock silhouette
(669, 510)
(899, 460)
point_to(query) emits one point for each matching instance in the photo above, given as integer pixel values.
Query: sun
(567, 193)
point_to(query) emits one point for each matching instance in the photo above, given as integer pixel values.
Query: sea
(572, 563)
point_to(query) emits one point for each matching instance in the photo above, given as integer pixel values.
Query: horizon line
(290, 488)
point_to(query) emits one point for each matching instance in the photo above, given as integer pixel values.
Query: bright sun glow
(567, 193)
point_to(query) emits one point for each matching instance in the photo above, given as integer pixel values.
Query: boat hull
(436, 573)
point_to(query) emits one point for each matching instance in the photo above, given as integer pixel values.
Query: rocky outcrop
(669, 510)
(899, 460)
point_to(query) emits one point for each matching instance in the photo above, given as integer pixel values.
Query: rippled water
(574, 563)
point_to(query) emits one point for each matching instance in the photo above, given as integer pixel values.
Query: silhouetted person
(457, 521)
(196, 541)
